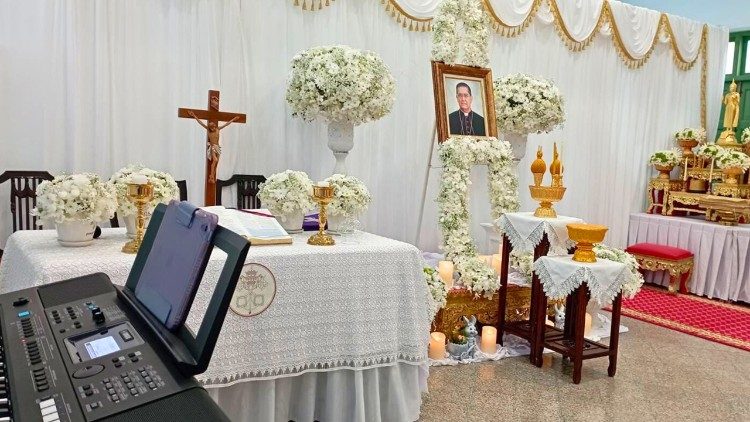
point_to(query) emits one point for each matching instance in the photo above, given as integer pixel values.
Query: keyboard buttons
(152, 386)
(133, 391)
(114, 397)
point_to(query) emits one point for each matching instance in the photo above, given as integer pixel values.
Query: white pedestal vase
(340, 141)
(130, 224)
(75, 233)
(292, 223)
(518, 144)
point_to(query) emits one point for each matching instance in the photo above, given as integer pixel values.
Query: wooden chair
(181, 185)
(23, 186)
(247, 190)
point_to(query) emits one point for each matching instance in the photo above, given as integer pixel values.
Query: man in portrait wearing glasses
(465, 121)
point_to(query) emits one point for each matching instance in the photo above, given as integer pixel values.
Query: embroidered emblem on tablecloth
(255, 291)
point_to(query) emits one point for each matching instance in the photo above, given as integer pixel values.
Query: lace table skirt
(359, 304)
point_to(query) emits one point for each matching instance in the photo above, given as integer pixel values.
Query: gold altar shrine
(462, 302)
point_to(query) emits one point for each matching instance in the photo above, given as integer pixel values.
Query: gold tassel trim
(510, 31)
(312, 5)
(410, 22)
(627, 58)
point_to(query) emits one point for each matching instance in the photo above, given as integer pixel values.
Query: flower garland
(665, 157)
(445, 40)
(350, 196)
(340, 83)
(165, 187)
(287, 193)
(635, 280)
(524, 104)
(708, 150)
(731, 158)
(438, 292)
(75, 197)
(458, 155)
(691, 134)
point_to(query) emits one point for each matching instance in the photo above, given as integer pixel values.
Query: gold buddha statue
(731, 115)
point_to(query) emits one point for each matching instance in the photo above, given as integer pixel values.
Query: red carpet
(709, 319)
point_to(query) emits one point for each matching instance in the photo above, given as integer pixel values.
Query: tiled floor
(662, 375)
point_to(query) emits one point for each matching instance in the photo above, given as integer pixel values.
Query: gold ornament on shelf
(140, 194)
(546, 195)
(585, 236)
(323, 194)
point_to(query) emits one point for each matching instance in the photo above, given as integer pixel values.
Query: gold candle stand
(140, 195)
(323, 195)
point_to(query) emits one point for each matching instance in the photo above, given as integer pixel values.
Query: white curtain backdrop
(93, 86)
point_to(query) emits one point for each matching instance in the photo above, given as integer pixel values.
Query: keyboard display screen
(101, 347)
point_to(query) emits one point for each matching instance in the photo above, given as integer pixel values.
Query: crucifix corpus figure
(213, 117)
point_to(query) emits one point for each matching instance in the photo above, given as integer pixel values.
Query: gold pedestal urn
(586, 236)
(140, 195)
(547, 195)
(323, 194)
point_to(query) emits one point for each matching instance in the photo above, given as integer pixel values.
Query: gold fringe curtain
(507, 30)
(312, 4)
(412, 23)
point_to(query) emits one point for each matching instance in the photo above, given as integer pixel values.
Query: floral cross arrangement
(524, 104)
(730, 158)
(665, 157)
(75, 197)
(165, 187)
(287, 193)
(691, 134)
(446, 42)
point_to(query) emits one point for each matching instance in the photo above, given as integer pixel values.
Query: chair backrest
(23, 186)
(182, 186)
(247, 190)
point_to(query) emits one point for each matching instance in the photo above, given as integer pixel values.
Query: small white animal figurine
(559, 316)
(470, 332)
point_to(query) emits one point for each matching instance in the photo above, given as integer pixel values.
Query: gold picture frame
(472, 88)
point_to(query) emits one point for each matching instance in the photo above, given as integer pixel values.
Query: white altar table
(345, 338)
(722, 253)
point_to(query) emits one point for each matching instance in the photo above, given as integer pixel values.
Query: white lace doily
(526, 231)
(560, 275)
(359, 304)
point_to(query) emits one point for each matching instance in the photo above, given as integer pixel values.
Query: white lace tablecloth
(359, 304)
(560, 276)
(526, 231)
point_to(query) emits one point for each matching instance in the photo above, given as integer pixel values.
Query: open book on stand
(259, 227)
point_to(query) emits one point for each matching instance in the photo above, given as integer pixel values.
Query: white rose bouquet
(165, 187)
(438, 292)
(731, 158)
(745, 138)
(635, 281)
(524, 104)
(350, 196)
(665, 157)
(75, 197)
(708, 151)
(691, 134)
(340, 83)
(287, 193)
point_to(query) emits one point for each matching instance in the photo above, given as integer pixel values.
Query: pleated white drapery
(638, 27)
(93, 86)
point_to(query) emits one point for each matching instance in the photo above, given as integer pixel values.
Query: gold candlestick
(323, 195)
(140, 195)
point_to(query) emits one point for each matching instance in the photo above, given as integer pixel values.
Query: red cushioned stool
(653, 257)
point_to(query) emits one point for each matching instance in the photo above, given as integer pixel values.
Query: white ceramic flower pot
(518, 144)
(75, 233)
(292, 223)
(340, 141)
(341, 224)
(130, 224)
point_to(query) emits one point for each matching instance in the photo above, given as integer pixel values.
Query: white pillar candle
(486, 258)
(587, 325)
(445, 269)
(437, 346)
(489, 339)
(139, 179)
(497, 259)
(323, 184)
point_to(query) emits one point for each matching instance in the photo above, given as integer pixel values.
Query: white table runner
(525, 231)
(359, 304)
(560, 275)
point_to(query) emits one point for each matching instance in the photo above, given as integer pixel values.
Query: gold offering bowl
(323, 195)
(585, 236)
(546, 195)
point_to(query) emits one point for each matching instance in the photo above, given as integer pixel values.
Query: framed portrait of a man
(464, 104)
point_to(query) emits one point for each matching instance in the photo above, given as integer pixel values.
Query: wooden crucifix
(212, 116)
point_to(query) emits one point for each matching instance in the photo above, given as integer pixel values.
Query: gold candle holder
(140, 195)
(323, 195)
(585, 236)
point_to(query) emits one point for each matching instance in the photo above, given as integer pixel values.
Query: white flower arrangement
(745, 137)
(75, 197)
(445, 39)
(523, 262)
(340, 83)
(691, 134)
(458, 155)
(635, 281)
(165, 187)
(708, 151)
(730, 158)
(287, 193)
(524, 104)
(350, 196)
(665, 157)
(438, 292)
